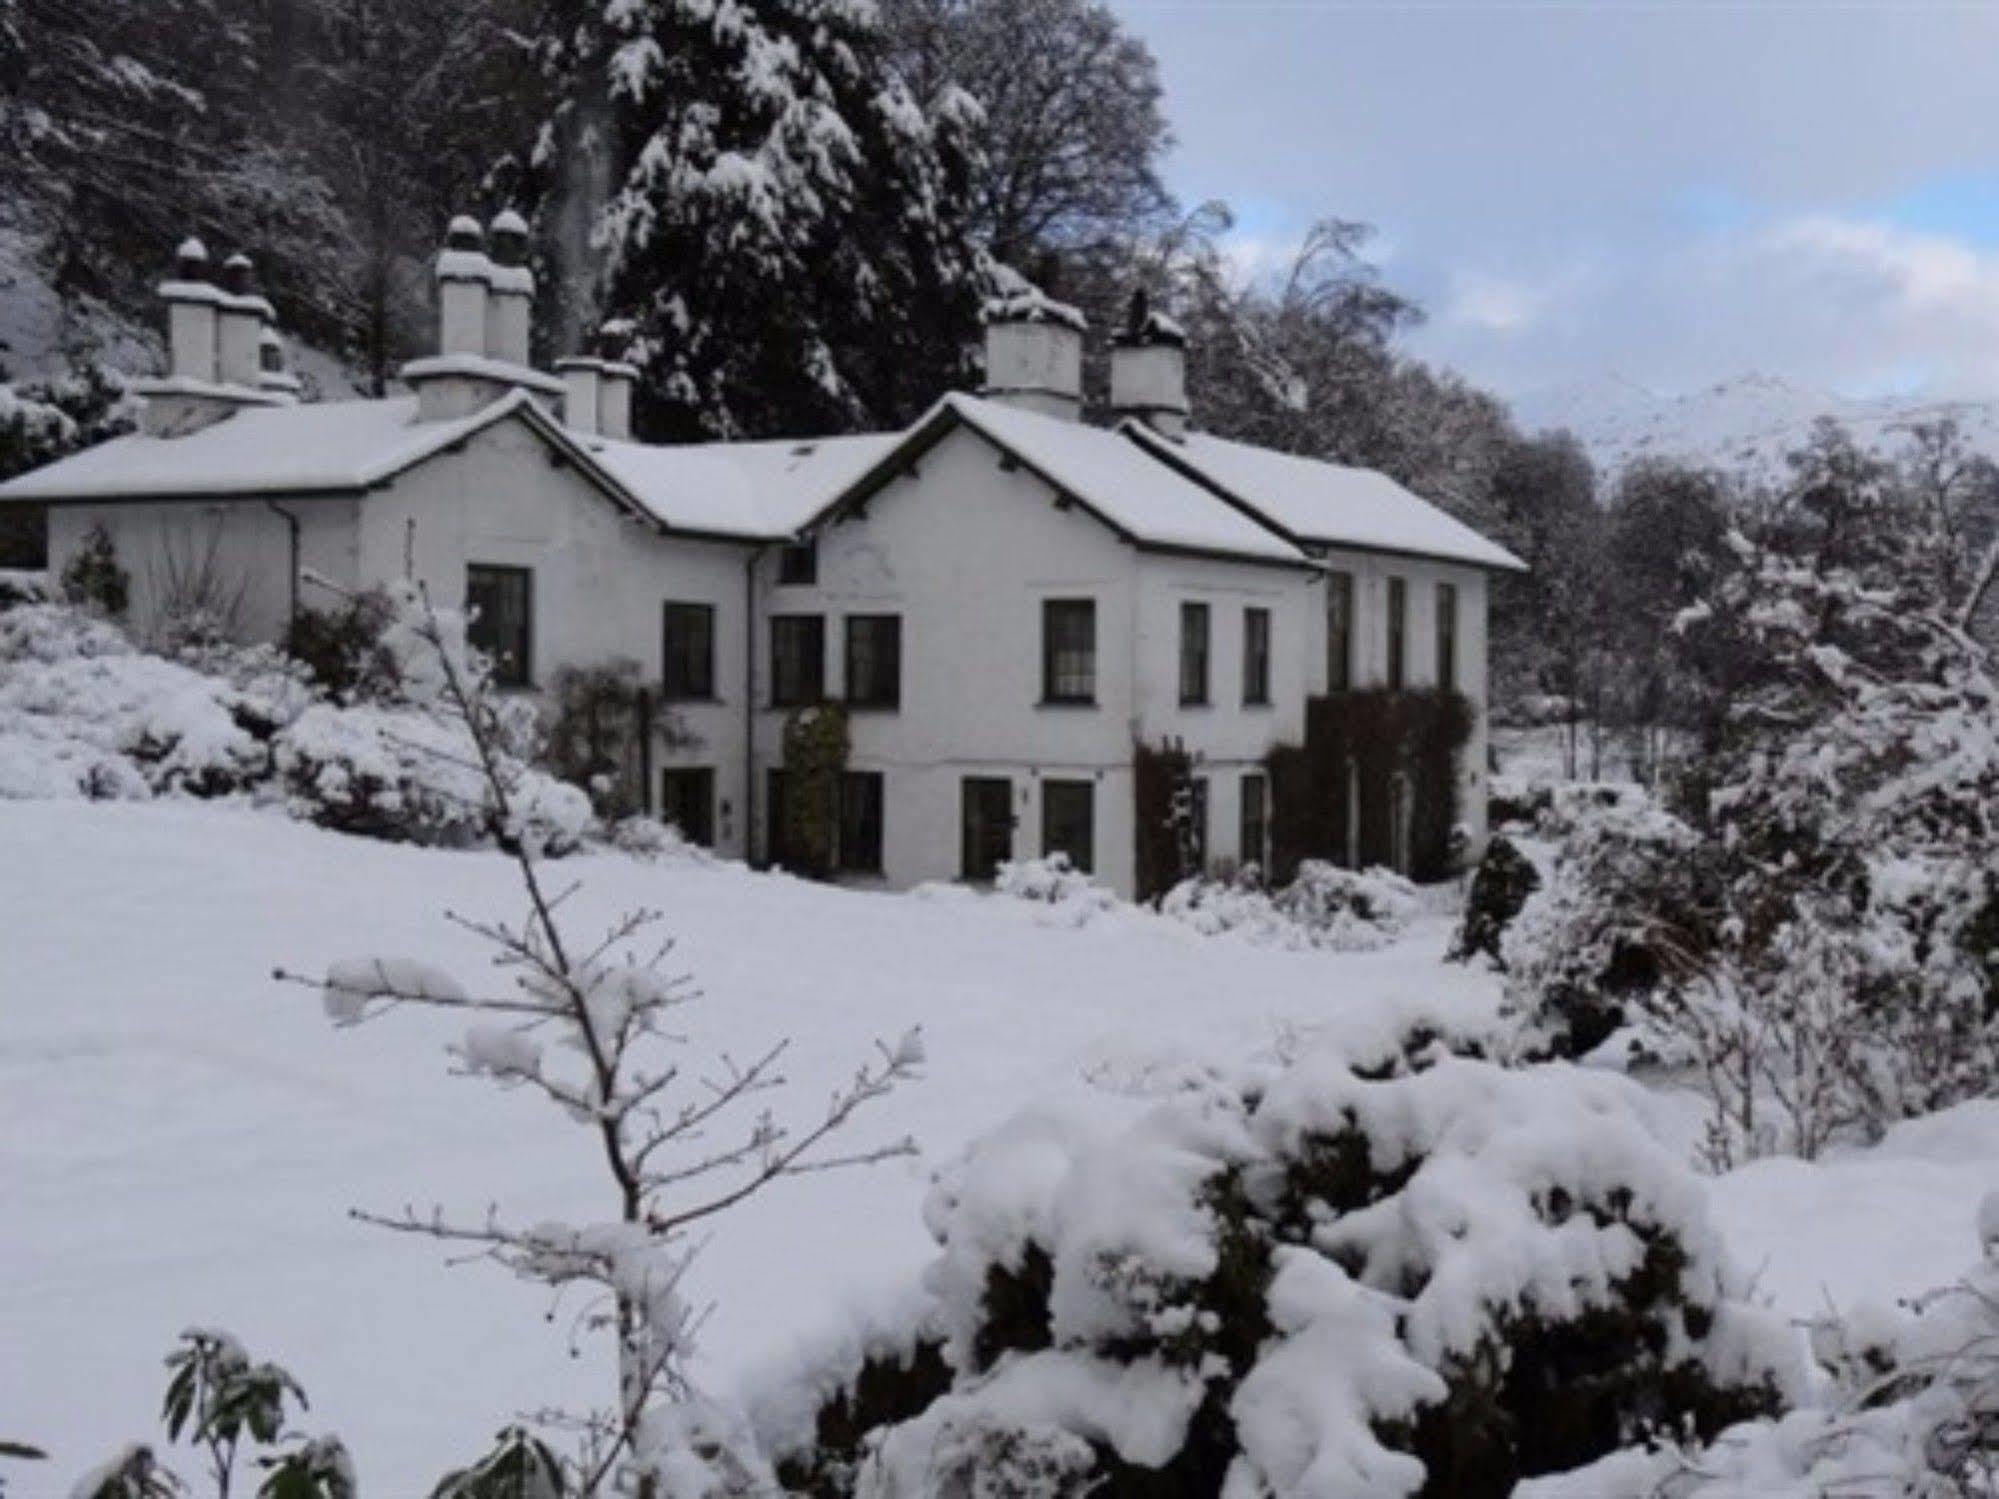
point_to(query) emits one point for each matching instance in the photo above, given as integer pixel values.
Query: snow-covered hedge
(84, 713)
(1353, 1275)
(1325, 907)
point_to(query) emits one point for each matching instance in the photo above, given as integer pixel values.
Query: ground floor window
(987, 827)
(777, 809)
(1068, 822)
(499, 607)
(687, 800)
(1255, 820)
(861, 822)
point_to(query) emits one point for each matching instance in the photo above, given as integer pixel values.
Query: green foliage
(342, 648)
(600, 724)
(93, 577)
(815, 757)
(520, 1466)
(1359, 746)
(1162, 793)
(134, 1474)
(318, 1469)
(1505, 878)
(888, 1388)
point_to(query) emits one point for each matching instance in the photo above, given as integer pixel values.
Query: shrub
(1312, 1282)
(93, 579)
(1162, 796)
(815, 758)
(1071, 896)
(1324, 907)
(1500, 888)
(600, 724)
(342, 651)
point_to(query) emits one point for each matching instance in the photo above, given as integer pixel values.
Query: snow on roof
(756, 490)
(325, 446)
(1150, 502)
(1327, 502)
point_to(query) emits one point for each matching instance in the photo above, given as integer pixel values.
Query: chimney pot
(1149, 369)
(463, 233)
(510, 295)
(1034, 353)
(191, 260)
(583, 381)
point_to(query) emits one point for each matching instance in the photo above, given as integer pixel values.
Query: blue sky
(1675, 190)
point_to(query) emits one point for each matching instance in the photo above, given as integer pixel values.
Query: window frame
(1052, 649)
(1447, 637)
(781, 627)
(1260, 855)
(1255, 656)
(1051, 788)
(891, 700)
(1342, 584)
(505, 675)
(703, 692)
(1396, 664)
(1196, 653)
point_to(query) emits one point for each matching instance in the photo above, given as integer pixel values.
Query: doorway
(988, 827)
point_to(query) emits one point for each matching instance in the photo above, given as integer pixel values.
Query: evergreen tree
(786, 243)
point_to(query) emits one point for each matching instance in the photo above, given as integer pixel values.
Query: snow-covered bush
(1500, 888)
(1073, 898)
(93, 579)
(1324, 907)
(20, 586)
(1909, 1406)
(1314, 1281)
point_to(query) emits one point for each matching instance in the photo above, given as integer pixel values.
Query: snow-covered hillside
(181, 1137)
(1746, 424)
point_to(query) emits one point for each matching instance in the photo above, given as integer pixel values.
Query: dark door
(988, 826)
(687, 800)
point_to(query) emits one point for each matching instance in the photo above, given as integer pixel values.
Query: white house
(1007, 600)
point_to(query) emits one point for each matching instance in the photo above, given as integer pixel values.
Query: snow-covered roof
(759, 491)
(1148, 502)
(1326, 503)
(332, 446)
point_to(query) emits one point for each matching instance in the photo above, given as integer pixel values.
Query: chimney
(240, 321)
(192, 302)
(1149, 370)
(614, 400)
(464, 277)
(1034, 353)
(582, 391)
(273, 379)
(510, 303)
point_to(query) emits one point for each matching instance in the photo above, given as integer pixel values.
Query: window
(1068, 822)
(861, 822)
(500, 604)
(1069, 651)
(1339, 632)
(687, 655)
(1197, 823)
(1255, 821)
(1398, 632)
(1255, 656)
(798, 564)
(874, 660)
(1193, 654)
(1447, 636)
(777, 817)
(797, 660)
(687, 800)
(988, 827)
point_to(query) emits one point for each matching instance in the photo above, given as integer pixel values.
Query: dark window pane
(987, 811)
(777, 814)
(1193, 653)
(861, 822)
(798, 564)
(499, 603)
(687, 800)
(1068, 822)
(1256, 655)
(1398, 632)
(1255, 821)
(1447, 636)
(1339, 632)
(797, 660)
(687, 657)
(874, 660)
(1069, 650)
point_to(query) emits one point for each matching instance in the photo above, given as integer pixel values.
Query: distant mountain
(1748, 424)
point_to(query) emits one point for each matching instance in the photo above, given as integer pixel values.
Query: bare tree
(585, 1027)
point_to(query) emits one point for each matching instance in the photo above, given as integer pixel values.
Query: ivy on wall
(815, 758)
(1163, 792)
(1338, 790)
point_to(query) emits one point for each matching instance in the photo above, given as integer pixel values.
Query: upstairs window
(1255, 657)
(687, 653)
(798, 564)
(1193, 655)
(1339, 632)
(499, 607)
(797, 660)
(1069, 651)
(1447, 636)
(1398, 633)
(874, 660)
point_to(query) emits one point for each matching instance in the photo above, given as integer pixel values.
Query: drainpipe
(750, 703)
(291, 522)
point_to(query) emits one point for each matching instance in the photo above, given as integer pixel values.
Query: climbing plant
(1168, 843)
(815, 760)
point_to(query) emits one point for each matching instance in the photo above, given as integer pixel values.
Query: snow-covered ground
(181, 1136)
